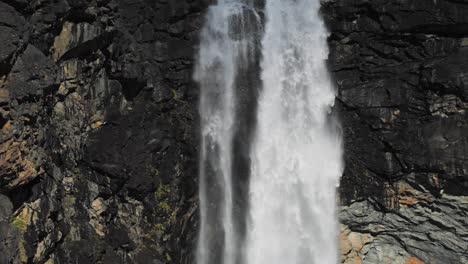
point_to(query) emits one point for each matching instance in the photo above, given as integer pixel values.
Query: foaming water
(227, 46)
(296, 154)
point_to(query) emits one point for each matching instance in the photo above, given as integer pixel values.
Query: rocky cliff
(99, 130)
(401, 71)
(98, 111)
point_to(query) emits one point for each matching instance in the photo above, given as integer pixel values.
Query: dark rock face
(98, 111)
(401, 68)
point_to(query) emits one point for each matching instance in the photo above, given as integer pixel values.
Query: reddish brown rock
(413, 260)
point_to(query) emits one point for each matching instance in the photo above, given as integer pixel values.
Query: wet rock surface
(400, 68)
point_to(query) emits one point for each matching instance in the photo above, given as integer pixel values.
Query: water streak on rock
(227, 47)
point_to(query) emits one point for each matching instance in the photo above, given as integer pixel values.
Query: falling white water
(296, 152)
(226, 47)
(296, 156)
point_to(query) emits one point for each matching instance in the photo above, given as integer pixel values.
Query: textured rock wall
(98, 143)
(401, 71)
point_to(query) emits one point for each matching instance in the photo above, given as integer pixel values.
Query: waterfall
(294, 158)
(227, 48)
(296, 155)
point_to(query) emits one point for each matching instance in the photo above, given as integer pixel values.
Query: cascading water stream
(295, 156)
(227, 48)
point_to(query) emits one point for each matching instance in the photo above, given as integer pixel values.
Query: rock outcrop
(401, 69)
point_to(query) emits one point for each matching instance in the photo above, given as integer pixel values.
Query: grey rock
(31, 74)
